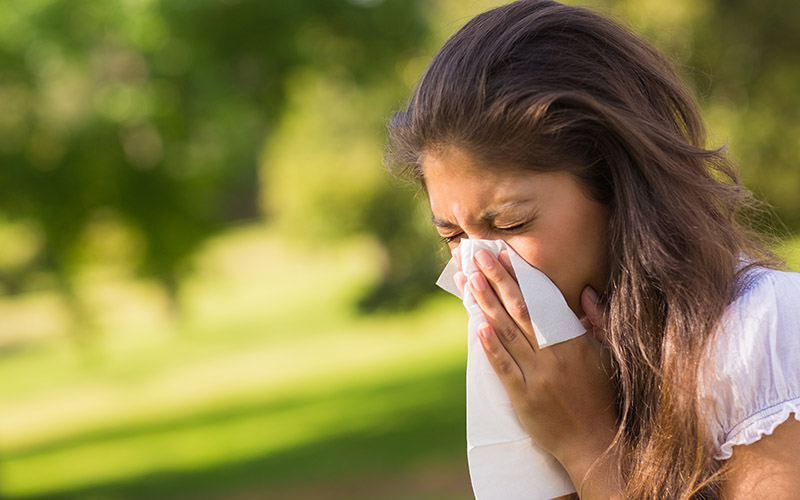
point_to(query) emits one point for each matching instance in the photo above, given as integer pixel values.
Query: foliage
(752, 58)
(148, 116)
(741, 58)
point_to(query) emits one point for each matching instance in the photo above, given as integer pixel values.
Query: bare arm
(768, 468)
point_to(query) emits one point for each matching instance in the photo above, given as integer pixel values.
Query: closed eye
(511, 229)
(523, 221)
(453, 238)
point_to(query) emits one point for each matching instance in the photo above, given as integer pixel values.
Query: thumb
(593, 307)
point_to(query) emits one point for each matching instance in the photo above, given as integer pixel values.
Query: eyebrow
(443, 223)
(487, 216)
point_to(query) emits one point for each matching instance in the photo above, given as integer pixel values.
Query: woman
(565, 135)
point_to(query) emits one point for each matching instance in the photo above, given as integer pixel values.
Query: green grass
(271, 386)
(367, 429)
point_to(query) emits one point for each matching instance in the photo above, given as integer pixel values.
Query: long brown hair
(544, 86)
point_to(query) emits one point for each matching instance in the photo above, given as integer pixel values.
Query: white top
(753, 385)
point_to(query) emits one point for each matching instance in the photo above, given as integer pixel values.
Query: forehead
(461, 189)
(458, 183)
(454, 160)
(453, 167)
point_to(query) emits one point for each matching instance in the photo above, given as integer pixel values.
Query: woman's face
(544, 216)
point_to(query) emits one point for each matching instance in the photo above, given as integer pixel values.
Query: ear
(594, 321)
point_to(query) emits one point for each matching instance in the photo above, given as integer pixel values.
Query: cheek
(563, 259)
(548, 258)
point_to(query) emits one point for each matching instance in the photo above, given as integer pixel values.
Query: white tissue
(504, 463)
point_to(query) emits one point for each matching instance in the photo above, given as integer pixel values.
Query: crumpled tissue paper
(504, 462)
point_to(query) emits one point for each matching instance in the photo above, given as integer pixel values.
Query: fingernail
(592, 294)
(477, 282)
(485, 331)
(484, 259)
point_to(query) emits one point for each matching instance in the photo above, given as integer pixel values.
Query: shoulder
(766, 295)
(753, 382)
(763, 316)
(768, 468)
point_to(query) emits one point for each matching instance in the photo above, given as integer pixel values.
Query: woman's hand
(564, 394)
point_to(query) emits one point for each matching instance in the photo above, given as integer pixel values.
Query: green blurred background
(209, 288)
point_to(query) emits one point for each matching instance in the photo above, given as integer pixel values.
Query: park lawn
(287, 394)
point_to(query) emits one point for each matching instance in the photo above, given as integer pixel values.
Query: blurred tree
(150, 114)
(750, 54)
(741, 56)
(322, 180)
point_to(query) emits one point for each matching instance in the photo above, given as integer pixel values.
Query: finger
(503, 364)
(457, 256)
(505, 259)
(461, 281)
(595, 313)
(508, 331)
(508, 292)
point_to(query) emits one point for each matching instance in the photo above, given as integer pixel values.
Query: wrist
(595, 470)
